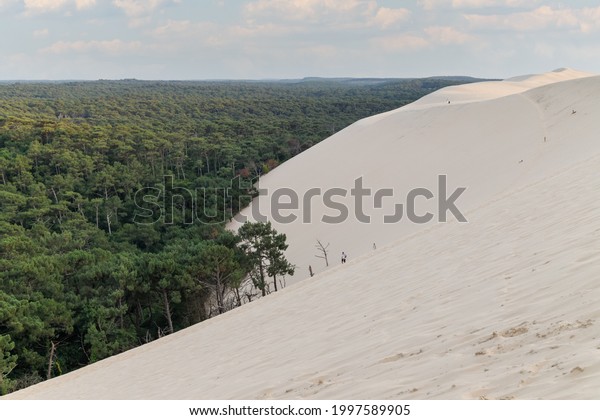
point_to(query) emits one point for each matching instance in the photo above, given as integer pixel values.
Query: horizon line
(283, 79)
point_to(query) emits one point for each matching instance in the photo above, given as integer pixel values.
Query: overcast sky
(259, 39)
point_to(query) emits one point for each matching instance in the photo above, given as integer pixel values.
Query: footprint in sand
(514, 332)
(392, 358)
(561, 327)
(506, 347)
(577, 370)
(511, 332)
(479, 394)
(316, 386)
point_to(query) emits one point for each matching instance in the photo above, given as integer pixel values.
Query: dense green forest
(81, 278)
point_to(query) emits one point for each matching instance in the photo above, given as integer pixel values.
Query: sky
(278, 39)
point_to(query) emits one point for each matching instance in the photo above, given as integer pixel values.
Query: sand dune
(504, 306)
(493, 137)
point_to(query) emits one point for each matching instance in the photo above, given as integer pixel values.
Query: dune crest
(497, 89)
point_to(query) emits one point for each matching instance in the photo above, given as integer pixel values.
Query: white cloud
(43, 6)
(589, 19)
(178, 33)
(478, 4)
(433, 4)
(432, 36)
(4, 3)
(174, 26)
(474, 4)
(538, 19)
(33, 7)
(175, 34)
(446, 35)
(112, 47)
(331, 15)
(84, 4)
(458, 4)
(136, 8)
(386, 17)
(302, 9)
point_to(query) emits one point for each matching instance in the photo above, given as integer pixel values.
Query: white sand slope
(478, 141)
(505, 306)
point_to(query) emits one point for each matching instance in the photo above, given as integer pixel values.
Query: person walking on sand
(344, 256)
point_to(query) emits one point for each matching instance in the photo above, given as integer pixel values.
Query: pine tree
(264, 248)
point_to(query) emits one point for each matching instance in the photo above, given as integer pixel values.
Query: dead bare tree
(323, 250)
(168, 312)
(51, 360)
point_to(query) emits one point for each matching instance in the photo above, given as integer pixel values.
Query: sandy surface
(478, 141)
(504, 306)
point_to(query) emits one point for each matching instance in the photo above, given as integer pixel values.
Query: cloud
(479, 4)
(327, 15)
(434, 4)
(589, 19)
(112, 47)
(386, 17)
(84, 4)
(432, 36)
(538, 19)
(175, 34)
(33, 7)
(302, 9)
(44, 6)
(136, 8)
(446, 35)
(5, 3)
(178, 33)
(474, 4)
(174, 27)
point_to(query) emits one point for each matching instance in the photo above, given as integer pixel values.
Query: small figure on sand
(344, 256)
(374, 246)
